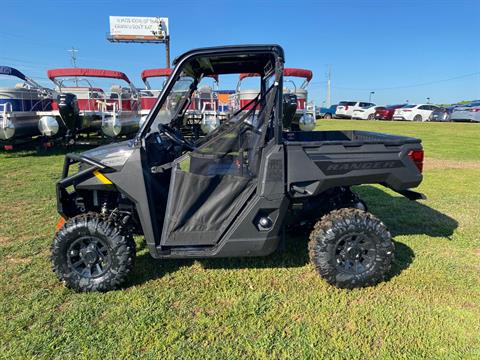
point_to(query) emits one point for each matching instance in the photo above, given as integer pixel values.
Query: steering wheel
(172, 135)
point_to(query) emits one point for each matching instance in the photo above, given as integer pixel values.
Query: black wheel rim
(89, 256)
(355, 253)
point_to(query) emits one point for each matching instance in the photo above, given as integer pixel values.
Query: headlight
(307, 122)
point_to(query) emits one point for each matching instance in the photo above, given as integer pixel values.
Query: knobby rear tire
(328, 234)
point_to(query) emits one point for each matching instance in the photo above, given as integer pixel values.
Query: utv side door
(210, 185)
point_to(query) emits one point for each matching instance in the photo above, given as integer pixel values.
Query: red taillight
(475, 110)
(417, 158)
(406, 110)
(346, 107)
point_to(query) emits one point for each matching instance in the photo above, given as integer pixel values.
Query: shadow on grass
(406, 217)
(402, 216)
(38, 148)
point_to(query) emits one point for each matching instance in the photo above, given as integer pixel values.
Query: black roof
(233, 58)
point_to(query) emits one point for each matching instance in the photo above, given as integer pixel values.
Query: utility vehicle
(233, 192)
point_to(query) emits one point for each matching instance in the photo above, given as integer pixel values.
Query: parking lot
(259, 307)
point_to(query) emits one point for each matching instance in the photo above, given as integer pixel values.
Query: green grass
(273, 307)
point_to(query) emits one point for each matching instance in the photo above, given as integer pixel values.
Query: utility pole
(329, 84)
(73, 52)
(167, 50)
(370, 96)
(162, 33)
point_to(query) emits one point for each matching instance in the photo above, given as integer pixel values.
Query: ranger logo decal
(339, 168)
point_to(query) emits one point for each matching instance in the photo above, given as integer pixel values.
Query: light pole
(329, 85)
(428, 100)
(406, 101)
(370, 96)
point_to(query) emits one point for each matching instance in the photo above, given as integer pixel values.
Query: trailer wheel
(90, 254)
(351, 248)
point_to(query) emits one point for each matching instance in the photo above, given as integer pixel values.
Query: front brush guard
(64, 198)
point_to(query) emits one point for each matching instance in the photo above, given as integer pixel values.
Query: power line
(410, 86)
(20, 61)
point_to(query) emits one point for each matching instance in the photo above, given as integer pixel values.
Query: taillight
(417, 158)
(475, 110)
(406, 110)
(346, 107)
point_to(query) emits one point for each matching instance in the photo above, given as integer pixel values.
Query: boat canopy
(294, 72)
(246, 75)
(7, 70)
(86, 72)
(149, 73)
(53, 74)
(302, 73)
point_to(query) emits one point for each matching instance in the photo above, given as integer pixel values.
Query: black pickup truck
(233, 191)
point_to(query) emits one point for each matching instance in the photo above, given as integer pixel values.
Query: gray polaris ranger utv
(233, 191)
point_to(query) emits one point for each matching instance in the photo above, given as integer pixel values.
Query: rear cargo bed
(345, 137)
(319, 160)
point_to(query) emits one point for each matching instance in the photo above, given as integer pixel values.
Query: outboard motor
(289, 109)
(68, 109)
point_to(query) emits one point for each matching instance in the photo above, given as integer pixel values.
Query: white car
(420, 112)
(345, 109)
(466, 113)
(365, 114)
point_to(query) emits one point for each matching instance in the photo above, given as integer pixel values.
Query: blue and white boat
(25, 109)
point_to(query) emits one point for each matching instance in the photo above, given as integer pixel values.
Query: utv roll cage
(253, 63)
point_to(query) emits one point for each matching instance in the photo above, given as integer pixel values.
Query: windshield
(252, 118)
(176, 101)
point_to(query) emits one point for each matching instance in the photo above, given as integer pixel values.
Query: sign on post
(136, 28)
